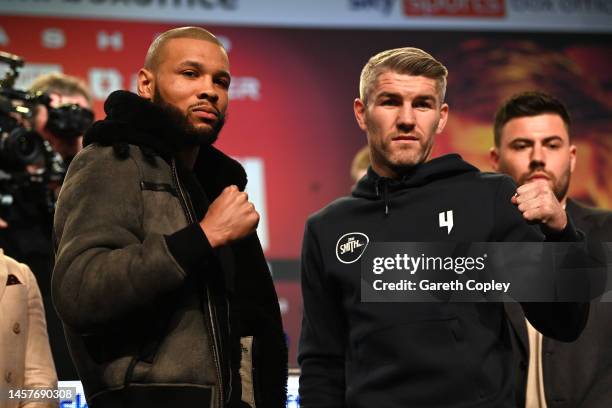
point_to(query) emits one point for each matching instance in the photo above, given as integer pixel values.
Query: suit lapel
(515, 315)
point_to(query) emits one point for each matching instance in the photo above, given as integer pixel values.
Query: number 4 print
(446, 220)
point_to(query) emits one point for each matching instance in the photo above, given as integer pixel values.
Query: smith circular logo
(351, 246)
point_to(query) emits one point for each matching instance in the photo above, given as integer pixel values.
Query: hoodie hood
(372, 186)
(133, 120)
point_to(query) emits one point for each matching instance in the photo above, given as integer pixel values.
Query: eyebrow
(387, 95)
(529, 140)
(197, 65)
(425, 97)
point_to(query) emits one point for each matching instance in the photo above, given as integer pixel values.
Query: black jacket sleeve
(322, 342)
(560, 321)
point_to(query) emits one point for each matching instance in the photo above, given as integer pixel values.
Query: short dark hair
(524, 104)
(152, 60)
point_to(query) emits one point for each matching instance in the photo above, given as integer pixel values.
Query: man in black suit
(533, 141)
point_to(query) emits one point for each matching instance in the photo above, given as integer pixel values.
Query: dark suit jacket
(578, 374)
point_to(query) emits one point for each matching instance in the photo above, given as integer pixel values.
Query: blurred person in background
(508, 67)
(64, 90)
(360, 164)
(25, 356)
(25, 230)
(533, 136)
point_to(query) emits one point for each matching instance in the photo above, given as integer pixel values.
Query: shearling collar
(134, 120)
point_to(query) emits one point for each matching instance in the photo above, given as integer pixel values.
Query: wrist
(561, 222)
(214, 238)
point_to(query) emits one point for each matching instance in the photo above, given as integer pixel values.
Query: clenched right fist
(229, 218)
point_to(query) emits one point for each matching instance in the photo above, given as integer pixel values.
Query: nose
(538, 159)
(207, 89)
(406, 118)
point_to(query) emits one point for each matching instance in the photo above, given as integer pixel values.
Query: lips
(405, 139)
(205, 112)
(538, 176)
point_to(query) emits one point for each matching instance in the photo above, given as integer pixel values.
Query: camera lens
(20, 148)
(69, 121)
(25, 146)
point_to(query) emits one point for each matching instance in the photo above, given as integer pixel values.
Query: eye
(553, 145)
(389, 102)
(190, 74)
(223, 82)
(519, 145)
(422, 104)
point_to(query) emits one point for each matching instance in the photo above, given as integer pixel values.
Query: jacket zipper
(215, 352)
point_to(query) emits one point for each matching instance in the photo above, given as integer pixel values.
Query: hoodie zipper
(216, 346)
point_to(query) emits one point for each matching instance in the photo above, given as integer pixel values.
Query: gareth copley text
(455, 286)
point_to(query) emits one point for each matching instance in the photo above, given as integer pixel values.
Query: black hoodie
(358, 354)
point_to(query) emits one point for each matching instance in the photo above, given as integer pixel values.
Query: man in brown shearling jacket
(160, 279)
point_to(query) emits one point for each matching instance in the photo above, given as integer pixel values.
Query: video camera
(27, 161)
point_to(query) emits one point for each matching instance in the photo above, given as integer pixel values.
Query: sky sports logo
(435, 8)
(455, 8)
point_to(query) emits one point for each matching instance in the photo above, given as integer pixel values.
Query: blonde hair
(407, 60)
(156, 47)
(361, 161)
(61, 84)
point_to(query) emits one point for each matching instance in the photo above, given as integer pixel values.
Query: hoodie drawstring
(385, 193)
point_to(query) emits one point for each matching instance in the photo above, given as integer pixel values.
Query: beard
(193, 136)
(559, 186)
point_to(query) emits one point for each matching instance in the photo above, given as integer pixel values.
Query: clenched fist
(229, 218)
(537, 202)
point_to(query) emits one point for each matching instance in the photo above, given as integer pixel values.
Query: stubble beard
(406, 162)
(559, 186)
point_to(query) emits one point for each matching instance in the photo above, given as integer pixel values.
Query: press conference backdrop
(295, 68)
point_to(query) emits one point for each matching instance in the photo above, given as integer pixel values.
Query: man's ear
(443, 118)
(146, 84)
(572, 158)
(494, 156)
(359, 109)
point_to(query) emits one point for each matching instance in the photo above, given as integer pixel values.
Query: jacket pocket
(151, 186)
(413, 361)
